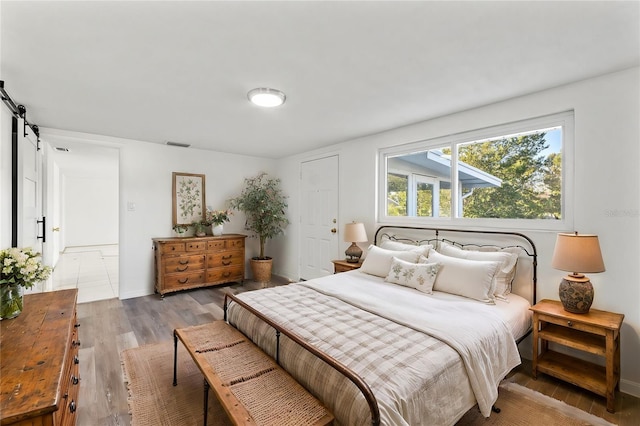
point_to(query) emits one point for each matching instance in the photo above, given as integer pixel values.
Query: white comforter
(474, 330)
(417, 379)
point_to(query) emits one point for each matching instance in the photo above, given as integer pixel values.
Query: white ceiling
(162, 71)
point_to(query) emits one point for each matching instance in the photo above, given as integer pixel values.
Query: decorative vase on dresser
(217, 230)
(11, 296)
(186, 263)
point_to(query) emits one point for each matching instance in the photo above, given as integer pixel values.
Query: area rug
(153, 400)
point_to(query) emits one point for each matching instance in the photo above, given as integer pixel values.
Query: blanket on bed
(480, 337)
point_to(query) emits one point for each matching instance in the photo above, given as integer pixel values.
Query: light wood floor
(109, 326)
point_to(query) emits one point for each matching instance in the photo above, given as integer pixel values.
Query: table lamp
(577, 254)
(354, 233)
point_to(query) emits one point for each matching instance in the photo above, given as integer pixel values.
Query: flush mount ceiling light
(265, 97)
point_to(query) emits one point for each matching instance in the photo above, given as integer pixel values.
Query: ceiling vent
(182, 145)
(61, 149)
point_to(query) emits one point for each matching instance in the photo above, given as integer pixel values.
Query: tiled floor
(93, 270)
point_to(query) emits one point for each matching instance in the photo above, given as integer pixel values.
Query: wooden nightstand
(344, 266)
(596, 332)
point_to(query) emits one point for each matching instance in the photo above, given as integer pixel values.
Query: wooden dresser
(184, 263)
(39, 370)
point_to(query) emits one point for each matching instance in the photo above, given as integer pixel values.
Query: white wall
(145, 182)
(90, 211)
(606, 199)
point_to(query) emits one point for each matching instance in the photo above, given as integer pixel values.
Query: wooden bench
(251, 387)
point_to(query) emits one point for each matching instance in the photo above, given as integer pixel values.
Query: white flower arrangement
(22, 266)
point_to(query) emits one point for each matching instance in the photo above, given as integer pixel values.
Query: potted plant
(19, 269)
(264, 205)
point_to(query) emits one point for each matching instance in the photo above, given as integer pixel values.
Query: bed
(428, 325)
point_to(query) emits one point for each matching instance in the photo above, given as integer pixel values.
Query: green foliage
(264, 205)
(530, 182)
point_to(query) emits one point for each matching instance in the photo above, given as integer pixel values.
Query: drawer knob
(75, 380)
(184, 268)
(77, 325)
(75, 343)
(72, 406)
(570, 323)
(76, 360)
(225, 263)
(184, 281)
(183, 261)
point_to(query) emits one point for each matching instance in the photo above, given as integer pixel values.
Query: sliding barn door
(319, 217)
(30, 220)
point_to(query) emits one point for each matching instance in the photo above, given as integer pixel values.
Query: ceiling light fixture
(265, 97)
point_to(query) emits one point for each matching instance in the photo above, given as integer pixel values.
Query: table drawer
(183, 263)
(572, 324)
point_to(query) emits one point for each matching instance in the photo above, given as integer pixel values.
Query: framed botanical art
(188, 198)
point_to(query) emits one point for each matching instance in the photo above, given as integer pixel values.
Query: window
(514, 175)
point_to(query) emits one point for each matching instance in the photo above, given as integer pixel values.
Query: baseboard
(630, 388)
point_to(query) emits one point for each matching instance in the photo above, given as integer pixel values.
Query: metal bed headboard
(529, 248)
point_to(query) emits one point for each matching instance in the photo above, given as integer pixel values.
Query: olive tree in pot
(264, 205)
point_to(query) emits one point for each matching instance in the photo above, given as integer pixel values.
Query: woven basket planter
(261, 269)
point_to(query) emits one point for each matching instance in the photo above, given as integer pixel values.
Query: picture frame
(188, 191)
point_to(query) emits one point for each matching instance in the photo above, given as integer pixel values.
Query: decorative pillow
(507, 258)
(398, 246)
(415, 275)
(378, 260)
(469, 278)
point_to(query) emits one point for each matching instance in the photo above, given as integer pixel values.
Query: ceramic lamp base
(353, 253)
(576, 296)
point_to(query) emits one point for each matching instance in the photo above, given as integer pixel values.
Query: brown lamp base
(576, 296)
(353, 253)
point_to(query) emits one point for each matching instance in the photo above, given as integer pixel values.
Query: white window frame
(563, 119)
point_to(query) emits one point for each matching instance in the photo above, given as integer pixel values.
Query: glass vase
(10, 301)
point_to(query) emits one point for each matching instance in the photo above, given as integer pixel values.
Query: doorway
(84, 218)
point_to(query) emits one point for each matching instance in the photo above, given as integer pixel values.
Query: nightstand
(596, 332)
(344, 266)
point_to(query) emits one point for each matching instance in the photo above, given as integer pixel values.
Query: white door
(30, 220)
(319, 217)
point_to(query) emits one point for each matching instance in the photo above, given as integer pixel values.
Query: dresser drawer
(183, 263)
(165, 248)
(184, 280)
(225, 258)
(224, 275)
(196, 245)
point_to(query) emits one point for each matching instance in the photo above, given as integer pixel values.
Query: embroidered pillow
(469, 278)
(420, 276)
(378, 260)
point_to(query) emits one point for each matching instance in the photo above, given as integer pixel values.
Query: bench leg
(206, 401)
(175, 358)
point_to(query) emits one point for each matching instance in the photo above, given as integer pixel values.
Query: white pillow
(398, 246)
(506, 271)
(420, 276)
(469, 278)
(378, 260)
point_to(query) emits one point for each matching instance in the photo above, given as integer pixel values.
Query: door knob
(56, 229)
(334, 230)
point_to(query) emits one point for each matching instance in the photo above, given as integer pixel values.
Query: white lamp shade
(577, 253)
(355, 233)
